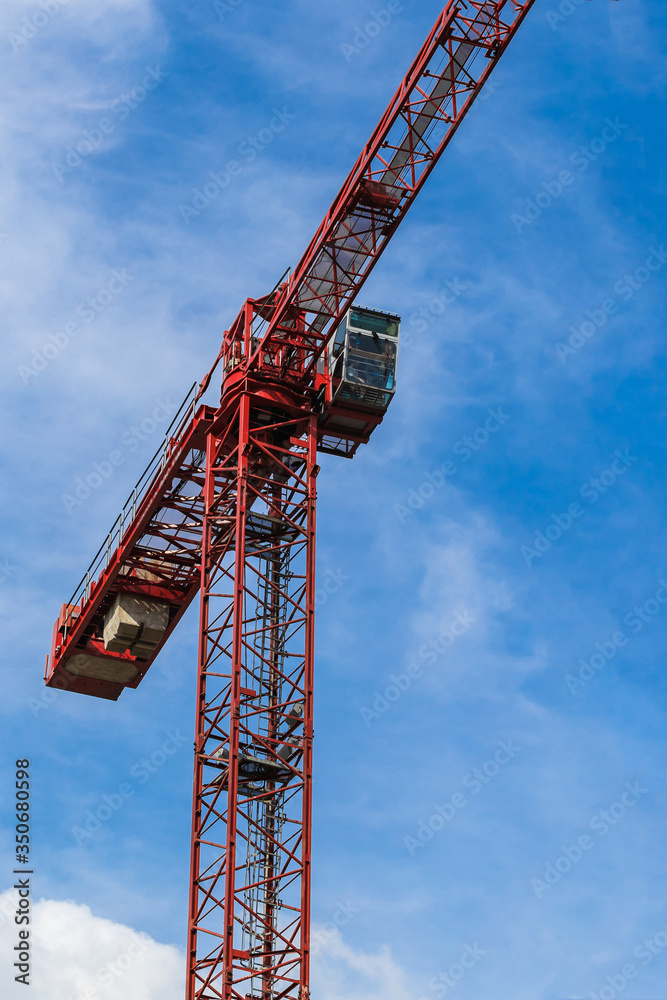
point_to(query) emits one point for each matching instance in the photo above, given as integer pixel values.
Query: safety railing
(102, 558)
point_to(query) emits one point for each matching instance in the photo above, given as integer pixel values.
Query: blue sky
(533, 361)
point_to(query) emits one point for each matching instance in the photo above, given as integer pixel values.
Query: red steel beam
(153, 550)
(461, 51)
(249, 910)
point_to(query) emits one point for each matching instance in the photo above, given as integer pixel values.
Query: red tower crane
(227, 508)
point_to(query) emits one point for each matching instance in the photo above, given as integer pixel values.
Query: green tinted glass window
(371, 345)
(373, 322)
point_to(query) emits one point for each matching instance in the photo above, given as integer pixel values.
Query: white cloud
(340, 972)
(74, 951)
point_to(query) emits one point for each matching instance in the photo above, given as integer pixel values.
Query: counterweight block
(135, 624)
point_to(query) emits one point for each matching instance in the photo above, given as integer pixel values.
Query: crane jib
(450, 70)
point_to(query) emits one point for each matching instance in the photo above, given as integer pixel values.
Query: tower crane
(227, 509)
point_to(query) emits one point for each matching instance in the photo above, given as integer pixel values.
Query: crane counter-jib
(152, 553)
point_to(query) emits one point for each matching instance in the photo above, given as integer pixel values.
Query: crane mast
(249, 900)
(227, 508)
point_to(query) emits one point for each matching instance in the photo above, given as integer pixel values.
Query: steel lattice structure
(451, 68)
(227, 507)
(249, 903)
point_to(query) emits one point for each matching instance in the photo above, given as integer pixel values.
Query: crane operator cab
(361, 369)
